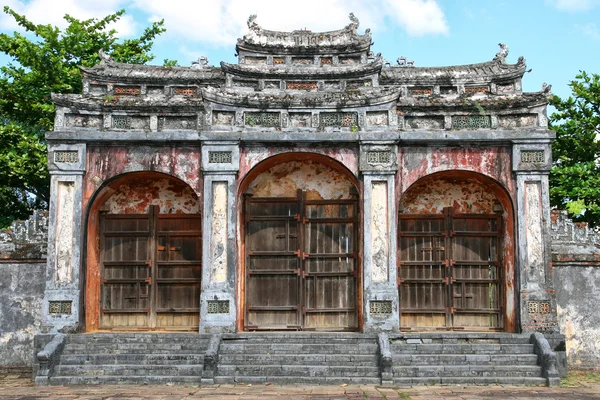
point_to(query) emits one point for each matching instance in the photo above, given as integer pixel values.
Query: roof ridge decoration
(347, 38)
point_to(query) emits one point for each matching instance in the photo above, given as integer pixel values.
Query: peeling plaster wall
(170, 195)
(318, 180)
(576, 274)
(577, 297)
(104, 163)
(22, 284)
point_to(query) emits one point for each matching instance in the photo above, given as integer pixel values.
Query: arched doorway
(144, 255)
(300, 245)
(456, 254)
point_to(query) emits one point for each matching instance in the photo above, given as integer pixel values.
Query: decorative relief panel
(331, 85)
(218, 236)
(127, 90)
(255, 60)
(377, 118)
(339, 119)
(219, 157)
(326, 60)
(247, 84)
(471, 122)
(272, 85)
(155, 89)
(302, 85)
(379, 231)
(185, 91)
(517, 121)
(177, 123)
(303, 61)
(380, 307)
(424, 122)
(97, 89)
(379, 157)
(532, 156)
(447, 90)
(420, 91)
(476, 89)
(358, 84)
(538, 307)
(278, 60)
(68, 156)
(217, 306)
(121, 122)
(223, 117)
(349, 60)
(83, 121)
(300, 120)
(60, 307)
(266, 119)
(510, 88)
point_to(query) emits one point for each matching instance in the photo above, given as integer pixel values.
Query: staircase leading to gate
(309, 358)
(131, 358)
(465, 359)
(298, 357)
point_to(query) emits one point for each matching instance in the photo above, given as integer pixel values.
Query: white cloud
(574, 5)
(53, 11)
(221, 22)
(590, 30)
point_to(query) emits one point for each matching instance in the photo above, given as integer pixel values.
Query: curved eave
(81, 102)
(492, 71)
(133, 73)
(341, 41)
(302, 72)
(491, 102)
(288, 99)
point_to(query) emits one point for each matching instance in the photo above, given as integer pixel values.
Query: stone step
(300, 359)
(468, 371)
(301, 338)
(128, 380)
(298, 370)
(298, 380)
(133, 349)
(470, 381)
(455, 338)
(458, 359)
(298, 348)
(138, 338)
(138, 359)
(129, 370)
(462, 348)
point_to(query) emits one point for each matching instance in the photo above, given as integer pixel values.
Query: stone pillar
(220, 164)
(61, 305)
(537, 303)
(378, 165)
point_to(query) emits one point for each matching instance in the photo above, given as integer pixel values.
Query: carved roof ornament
(405, 62)
(306, 41)
(502, 53)
(200, 63)
(104, 58)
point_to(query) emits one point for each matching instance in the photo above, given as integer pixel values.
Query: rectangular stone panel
(534, 231)
(377, 118)
(66, 156)
(63, 242)
(517, 120)
(223, 117)
(300, 120)
(424, 122)
(339, 119)
(83, 121)
(177, 123)
(218, 237)
(471, 122)
(379, 232)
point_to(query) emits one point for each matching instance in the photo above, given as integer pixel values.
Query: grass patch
(404, 395)
(580, 378)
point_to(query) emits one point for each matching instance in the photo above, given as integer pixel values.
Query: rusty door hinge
(449, 281)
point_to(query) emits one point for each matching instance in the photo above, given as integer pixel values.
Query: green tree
(46, 60)
(575, 176)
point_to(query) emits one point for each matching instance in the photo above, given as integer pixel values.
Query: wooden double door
(150, 271)
(300, 263)
(450, 272)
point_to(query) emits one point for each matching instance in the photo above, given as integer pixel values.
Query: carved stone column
(61, 305)
(220, 164)
(531, 164)
(378, 165)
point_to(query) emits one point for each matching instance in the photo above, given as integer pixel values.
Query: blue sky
(558, 38)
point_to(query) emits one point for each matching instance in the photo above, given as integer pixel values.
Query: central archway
(300, 248)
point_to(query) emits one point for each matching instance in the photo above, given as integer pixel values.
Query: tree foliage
(46, 60)
(575, 176)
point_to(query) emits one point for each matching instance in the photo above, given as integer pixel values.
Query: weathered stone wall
(22, 284)
(576, 264)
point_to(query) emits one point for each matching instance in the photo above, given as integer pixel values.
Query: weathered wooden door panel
(151, 271)
(449, 272)
(300, 264)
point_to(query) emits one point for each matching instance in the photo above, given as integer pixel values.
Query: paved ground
(14, 386)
